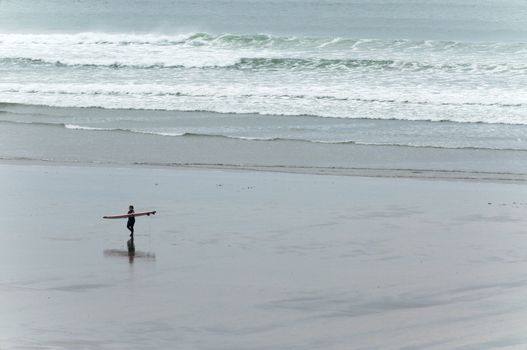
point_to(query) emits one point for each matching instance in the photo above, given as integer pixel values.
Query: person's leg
(131, 228)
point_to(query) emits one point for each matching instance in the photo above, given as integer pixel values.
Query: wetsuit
(130, 224)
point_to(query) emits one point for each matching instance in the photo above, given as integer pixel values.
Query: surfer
(131, 221)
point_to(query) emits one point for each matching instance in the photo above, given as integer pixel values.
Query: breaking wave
(227, 136)
(269, 75)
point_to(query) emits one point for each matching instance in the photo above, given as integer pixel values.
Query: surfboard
(125, 216)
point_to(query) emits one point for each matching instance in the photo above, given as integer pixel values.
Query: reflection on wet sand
(131, 253)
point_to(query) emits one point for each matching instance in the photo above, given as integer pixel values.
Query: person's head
(131, 207)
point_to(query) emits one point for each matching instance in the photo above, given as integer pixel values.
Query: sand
(259, 260)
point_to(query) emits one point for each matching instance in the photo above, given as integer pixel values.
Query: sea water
(441, 73)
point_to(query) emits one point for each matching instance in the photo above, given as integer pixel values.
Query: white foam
(398, 79)
(79, 127)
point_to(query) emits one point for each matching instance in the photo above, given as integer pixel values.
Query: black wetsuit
(130, 224)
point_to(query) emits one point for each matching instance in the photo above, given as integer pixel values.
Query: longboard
(125, 216)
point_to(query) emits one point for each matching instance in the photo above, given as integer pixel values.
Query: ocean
(436, 74)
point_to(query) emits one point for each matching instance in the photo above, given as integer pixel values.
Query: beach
(326, 174)
(259, 260)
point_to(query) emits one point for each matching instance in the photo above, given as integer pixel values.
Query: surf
(268, 75)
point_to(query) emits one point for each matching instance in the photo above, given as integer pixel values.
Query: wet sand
(259, 260)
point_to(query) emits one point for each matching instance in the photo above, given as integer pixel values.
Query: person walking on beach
(131, 221)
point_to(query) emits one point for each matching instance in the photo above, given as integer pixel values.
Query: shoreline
(40, 139)
(418, 174)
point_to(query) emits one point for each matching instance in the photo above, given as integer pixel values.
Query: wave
(246, 138)
(374, 64)
(456, 112)
(274, 63)
(269, 75)
(182, 134)
(400, 101)
(25, 61)
(260, 139)
(256, 52)
(247, 40)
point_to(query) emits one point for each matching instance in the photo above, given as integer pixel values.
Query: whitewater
(269, 75)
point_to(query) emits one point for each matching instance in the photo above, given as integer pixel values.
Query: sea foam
(264, 74)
